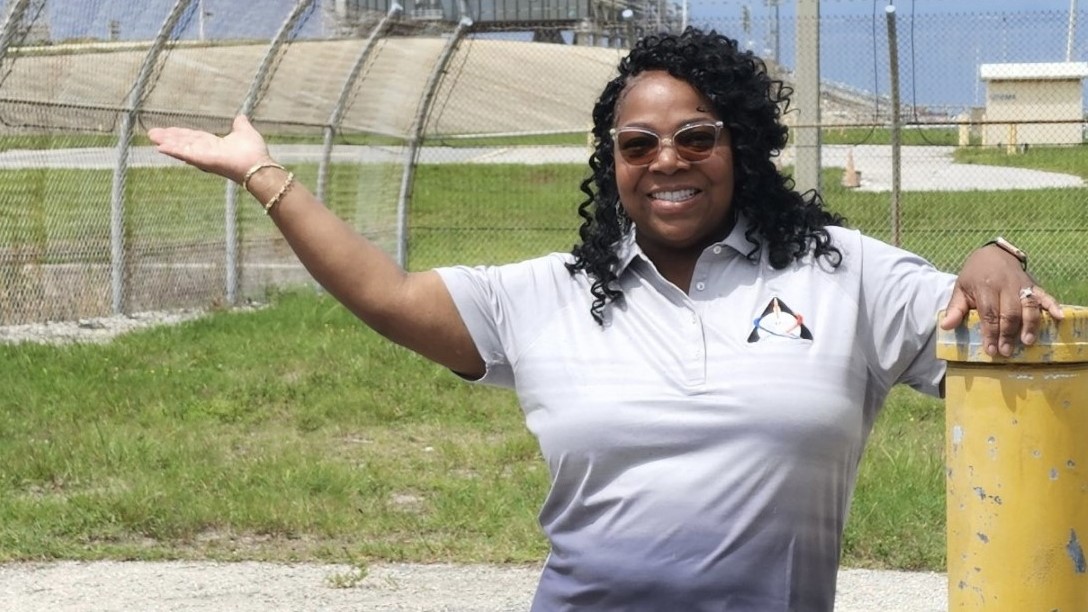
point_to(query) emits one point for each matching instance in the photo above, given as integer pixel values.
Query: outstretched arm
(1008, 301)
(411, 309)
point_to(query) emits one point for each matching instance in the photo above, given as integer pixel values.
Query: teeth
(673, 196)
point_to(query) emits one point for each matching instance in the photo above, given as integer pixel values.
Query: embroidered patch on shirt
(779, 321)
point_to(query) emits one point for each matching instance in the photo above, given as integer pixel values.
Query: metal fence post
(337, 114)
(897, 164)
(1010, 148)
(12, 25)
(253, 97)
(1017, 469)
(416, 138)
(144, 81)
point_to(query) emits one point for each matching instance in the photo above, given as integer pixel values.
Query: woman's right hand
(230, 156)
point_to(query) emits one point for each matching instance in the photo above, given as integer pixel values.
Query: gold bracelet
(257, 168)
(282, 192)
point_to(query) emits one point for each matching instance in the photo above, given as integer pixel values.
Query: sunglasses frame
(663, 141)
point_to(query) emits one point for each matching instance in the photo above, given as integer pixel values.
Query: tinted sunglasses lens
(695, 143)
(637, 148)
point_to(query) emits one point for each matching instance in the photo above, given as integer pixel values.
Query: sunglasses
(692, 143)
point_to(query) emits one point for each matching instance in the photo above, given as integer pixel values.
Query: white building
(1051, 93)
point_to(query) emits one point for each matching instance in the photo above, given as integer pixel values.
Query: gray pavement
(252, 587)
(922, 168)
(933, 169)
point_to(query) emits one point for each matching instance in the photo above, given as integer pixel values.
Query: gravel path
(96, 330)
(252, 587)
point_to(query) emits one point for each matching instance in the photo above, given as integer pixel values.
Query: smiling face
(678, 207)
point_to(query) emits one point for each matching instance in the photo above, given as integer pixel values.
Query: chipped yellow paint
(1017, 469)
(1064, 343)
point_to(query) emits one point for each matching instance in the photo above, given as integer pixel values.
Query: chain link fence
(453, 132)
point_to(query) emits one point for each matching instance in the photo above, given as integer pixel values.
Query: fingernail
(991, 350)
(1029, 338)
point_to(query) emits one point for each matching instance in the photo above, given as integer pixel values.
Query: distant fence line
(77, 240)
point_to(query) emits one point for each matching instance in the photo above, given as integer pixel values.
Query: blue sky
(838, 7)
(70, 17)
(942, 42)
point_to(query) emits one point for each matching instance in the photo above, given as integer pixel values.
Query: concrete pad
(933, 169)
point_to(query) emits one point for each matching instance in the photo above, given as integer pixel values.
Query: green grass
(62, 141)
(1068, 160)
(496, 214)
(294, 433)
(908, 136)
(288, 433)
(897, 519)
(944, 227)
(536, 140)
(567, 139)
(493, 213)
(463, 214)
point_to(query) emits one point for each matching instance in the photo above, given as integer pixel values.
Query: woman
(703, 370)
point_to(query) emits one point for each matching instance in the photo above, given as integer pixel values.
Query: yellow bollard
(1016, 453)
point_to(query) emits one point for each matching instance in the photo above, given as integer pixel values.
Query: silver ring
(1026, 293)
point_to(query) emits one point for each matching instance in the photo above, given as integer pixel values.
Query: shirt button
(700, 286)
(717, 250)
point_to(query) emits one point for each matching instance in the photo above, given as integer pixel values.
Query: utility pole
(201, 16)
(746, 25)
(1071, 30)
(806, 140)
(775, 44)
(893, 61)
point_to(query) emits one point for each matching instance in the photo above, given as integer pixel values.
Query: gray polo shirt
(703, 447)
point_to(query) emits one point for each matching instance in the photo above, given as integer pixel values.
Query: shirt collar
(737, 240)
(627, 249)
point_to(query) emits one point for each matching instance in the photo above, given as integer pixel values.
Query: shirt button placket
(696, 368)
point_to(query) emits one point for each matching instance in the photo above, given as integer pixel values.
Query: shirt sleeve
(481, 308)
(504, 308)
(902, 294)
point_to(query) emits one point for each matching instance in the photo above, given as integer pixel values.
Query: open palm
(228, 156)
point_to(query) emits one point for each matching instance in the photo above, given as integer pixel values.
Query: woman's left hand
(1008, 301)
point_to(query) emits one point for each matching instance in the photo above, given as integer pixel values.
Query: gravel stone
(101, 330)
(109, 586)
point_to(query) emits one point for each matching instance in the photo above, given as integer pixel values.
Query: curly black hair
(750, 103)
